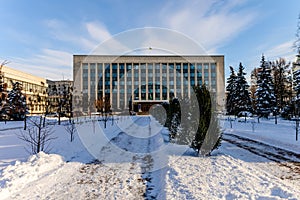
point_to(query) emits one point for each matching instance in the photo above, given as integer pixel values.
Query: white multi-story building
(144, 80)
(34, 88)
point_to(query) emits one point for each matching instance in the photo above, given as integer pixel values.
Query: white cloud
(97, 31)
(211, 23)
(93, 33)
(50, 64)
(56, 64)
(283, 50)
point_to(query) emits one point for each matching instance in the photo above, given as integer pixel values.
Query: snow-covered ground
(230, 173)
(281, 135)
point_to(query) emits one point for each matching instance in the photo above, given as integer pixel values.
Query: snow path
(138, 146)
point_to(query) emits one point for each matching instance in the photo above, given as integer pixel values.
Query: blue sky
(40, 37)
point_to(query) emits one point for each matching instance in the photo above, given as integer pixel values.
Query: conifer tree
(16, 102)
(265, 98)
(253, 88)
(296, 69)
(241, 95)
(208, 135)
(231, 87)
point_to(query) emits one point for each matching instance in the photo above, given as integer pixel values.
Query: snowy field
(71, 170)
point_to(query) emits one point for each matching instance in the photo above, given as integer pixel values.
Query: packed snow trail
(145, 139)
(284, 157)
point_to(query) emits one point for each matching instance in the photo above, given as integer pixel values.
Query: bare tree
(70, 128)
(104, 107)
(37, 136)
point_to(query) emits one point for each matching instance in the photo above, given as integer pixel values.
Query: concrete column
(139, 86)
(132, 81)
(175, 87)
(181, 78)
(189, 80)
(103, 80)
(168, 82)
(160, 88)
(89, 85)
(202, 73)
(110, 87)
(147, 81)
(125, 85)
(154, 79)
(209, 75)
(96, 81)
(118, 85)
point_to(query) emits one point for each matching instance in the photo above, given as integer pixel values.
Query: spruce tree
(202, 133)
(16, 102)
(208, 135)
(296, 77)
(296, 70)
(296, 83)
(253, 88)
(231, 87)
(265, 98)
(241, 95)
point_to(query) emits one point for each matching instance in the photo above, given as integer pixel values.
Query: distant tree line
(273, 90)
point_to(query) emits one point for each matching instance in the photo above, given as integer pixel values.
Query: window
(157, 66)
(213, 66)
(128, 67)
(185, 66)
(206, 66)
(199, 67)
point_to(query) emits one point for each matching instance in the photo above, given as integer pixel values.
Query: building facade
(56, 92)
(34, 88)
(144, 80)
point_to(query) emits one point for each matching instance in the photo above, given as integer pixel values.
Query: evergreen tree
(208, 135)
(16, 102)
(173, 117)
(296, 83)
(296, 70)
(265, 98)
(297, 41)
(202, 133)
(241, 95)
(253, 88)
(231, 87)
(296, 76)
(3, 93)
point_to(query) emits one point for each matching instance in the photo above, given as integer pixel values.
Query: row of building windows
(27, 87)
(164, 74)
(142, 66)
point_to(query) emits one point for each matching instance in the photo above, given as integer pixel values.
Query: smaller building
(34, 88)
(58, 91)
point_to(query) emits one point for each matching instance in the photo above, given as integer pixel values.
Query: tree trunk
(39, 136)
(25, 122)
(58, 118)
